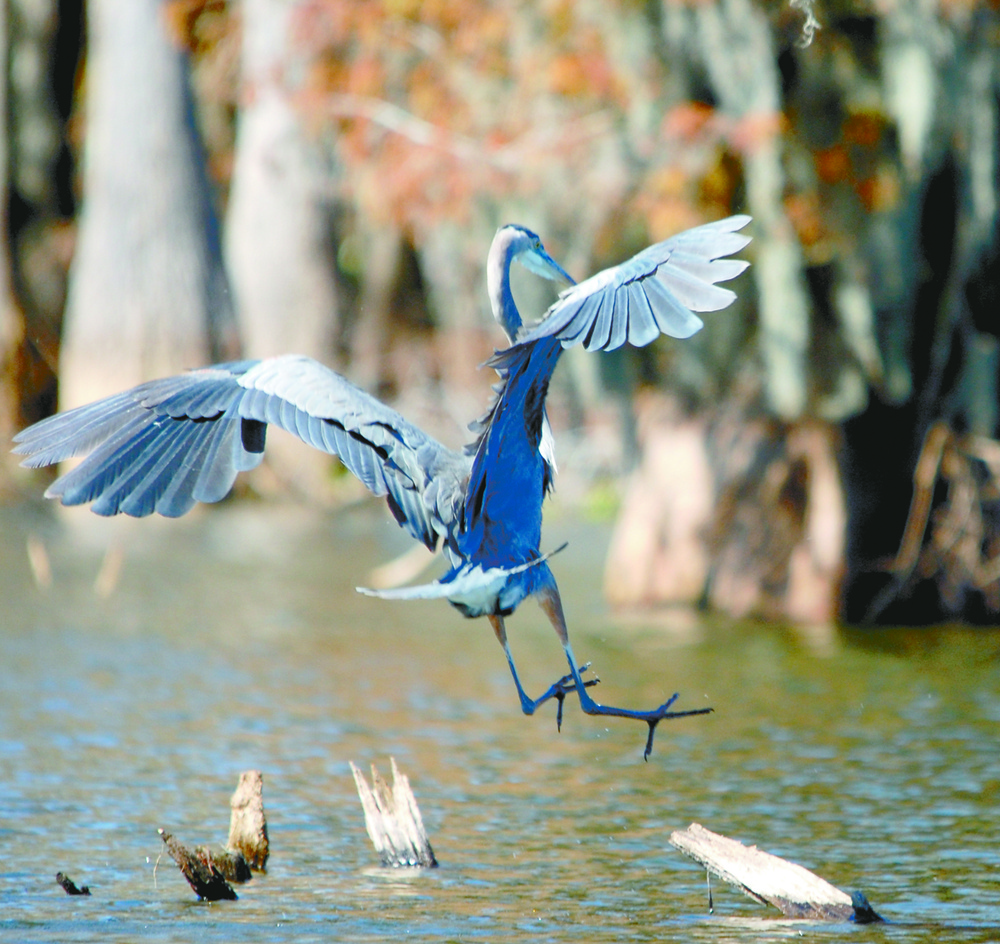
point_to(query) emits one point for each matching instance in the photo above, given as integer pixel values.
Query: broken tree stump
(209, 871)
(247, 824)
(769, 879)
(201, 868)
(69, 886)
(393, 820)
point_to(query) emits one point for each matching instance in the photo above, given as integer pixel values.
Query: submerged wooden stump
(204, 870)
(69, 886)
(247, 824)
(792, 889)
(209, 871)
(393, 820)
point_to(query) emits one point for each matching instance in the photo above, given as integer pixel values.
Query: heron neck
(501, 300)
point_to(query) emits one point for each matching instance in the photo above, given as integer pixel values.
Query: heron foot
(557, 690)
(652, 718)
(662, 713)
(564, 686)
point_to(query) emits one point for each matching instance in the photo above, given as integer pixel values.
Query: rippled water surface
(234, 639)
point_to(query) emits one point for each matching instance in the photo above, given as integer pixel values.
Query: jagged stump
(203, 869)
(393, 820)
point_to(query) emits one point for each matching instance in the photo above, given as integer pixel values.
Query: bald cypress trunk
(10, 321)
(147, 293)
(279, 226)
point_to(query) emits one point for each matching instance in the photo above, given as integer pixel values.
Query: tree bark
(147, 294)
(9, 315)
(279, 243)
(279, 225)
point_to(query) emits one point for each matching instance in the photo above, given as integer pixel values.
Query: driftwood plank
(766, 878)
(393, 820)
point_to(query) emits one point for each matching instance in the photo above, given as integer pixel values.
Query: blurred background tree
(825, 449)
(147, 294)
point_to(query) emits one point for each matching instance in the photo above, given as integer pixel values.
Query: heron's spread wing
(169, 443)
(656, 291)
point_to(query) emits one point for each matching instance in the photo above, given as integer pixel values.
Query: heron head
(525, 247)
(512, 243)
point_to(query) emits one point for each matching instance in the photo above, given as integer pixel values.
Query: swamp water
(234, 639)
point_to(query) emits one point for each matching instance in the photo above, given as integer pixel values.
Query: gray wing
(169, 443)
(656, 291)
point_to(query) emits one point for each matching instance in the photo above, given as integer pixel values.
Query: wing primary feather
(73, 433)
(620, 322)
(642, 326)
(110, 481)
(136, 494)
(218, 471)
(693, 293)
(97, 470)
(600, 332)
(179, 495)
(672, 318)
(708, 270)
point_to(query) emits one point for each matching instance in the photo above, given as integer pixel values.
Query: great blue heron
(167, 444)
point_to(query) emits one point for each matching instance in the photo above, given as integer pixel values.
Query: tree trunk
(10, 321)
(279, 245)
(278, 230)
(39, 198)
(147, 290)
(741, 512)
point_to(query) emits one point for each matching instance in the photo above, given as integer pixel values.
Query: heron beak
(541, 263)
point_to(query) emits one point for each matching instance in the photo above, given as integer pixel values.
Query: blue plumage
(169, 443)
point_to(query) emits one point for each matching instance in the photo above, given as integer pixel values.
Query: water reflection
(234, 639)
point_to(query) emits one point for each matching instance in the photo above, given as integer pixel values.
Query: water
(234, 639)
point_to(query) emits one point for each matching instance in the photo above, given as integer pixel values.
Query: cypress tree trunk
(279, 241)
(9, 315)
(147, 291)
(279, 225)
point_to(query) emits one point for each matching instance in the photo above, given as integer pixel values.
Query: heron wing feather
(656, 291)
(169, 443)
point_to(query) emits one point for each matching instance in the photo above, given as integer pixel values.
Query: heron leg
(557, 689)
(551, 603)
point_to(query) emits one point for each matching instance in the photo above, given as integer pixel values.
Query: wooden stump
(69, 886)
(201, 868)
(209, 871)
(393, 820)
(247, 823)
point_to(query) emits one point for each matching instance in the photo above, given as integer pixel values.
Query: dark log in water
(766, 878)
(247, 824)
(393, 820)
(201, 869)
(69, 886)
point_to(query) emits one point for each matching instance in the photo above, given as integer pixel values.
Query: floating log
(792, 889)
(247, 824)
(393, 820)
(201, 869)
(69, 886)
